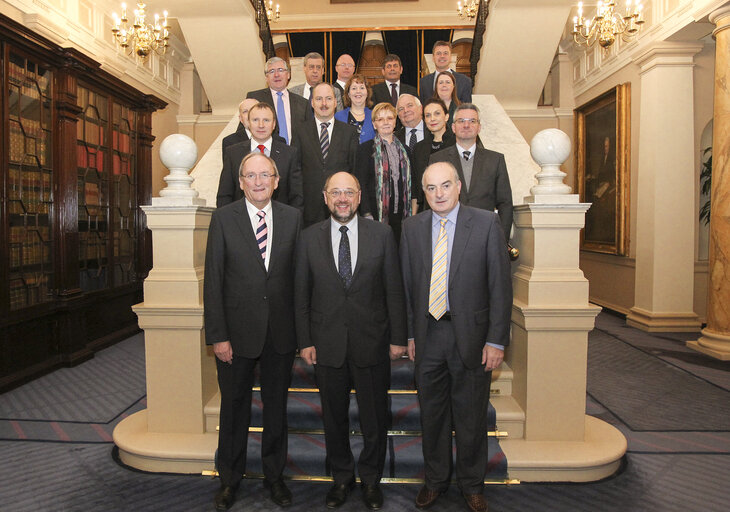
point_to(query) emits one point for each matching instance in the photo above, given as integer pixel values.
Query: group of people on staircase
(318, 245)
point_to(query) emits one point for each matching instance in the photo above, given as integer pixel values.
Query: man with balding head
(350, 319)
(345, 68)
(410, 114)
(458, 290)
(242, 133)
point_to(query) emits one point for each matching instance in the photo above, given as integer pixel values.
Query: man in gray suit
(350, 317)
(249, 319)
(314, 72)
(483, 173)
(290, 108)
(458, 288)
(442, 60)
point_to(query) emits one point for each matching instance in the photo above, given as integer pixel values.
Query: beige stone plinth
(713, 344)
(170, 435)
(598, 455)
(651, 321)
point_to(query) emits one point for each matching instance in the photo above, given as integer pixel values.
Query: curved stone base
(712, 343)
(163, 452)
(597, 457)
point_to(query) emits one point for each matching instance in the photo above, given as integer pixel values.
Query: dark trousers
(235, 381)
(451, 395)
(371, 386)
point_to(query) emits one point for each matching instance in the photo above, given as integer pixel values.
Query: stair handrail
(478, 39)
(262, 20)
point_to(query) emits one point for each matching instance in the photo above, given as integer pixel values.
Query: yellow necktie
(437, 293)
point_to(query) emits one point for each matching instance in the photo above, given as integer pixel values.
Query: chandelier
(607, 24)
(469, 10)
(271, 13)
(142, 38)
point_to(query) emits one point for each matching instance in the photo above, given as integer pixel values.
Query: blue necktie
(281, 117)
(344, 260)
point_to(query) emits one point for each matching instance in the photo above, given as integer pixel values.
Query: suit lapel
(425, 241)
(313, 136)
(363, 245)
(456, 161)
(276, 218)
(249, 238)
(325, 244)
(461, 236)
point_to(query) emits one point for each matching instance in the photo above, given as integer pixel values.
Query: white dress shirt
(351, 236)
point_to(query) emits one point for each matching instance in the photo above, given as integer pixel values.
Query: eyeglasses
(277, 70)
(463, 120)
(252, 176)
(347, 65)
(348, 192)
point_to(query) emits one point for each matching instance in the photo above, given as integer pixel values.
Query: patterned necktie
(324, 140)
(344, 261)
(437, 292)
(262, 232)
(466, 154)
(412, 141)
(393, 94)
(261, 148)
(281, 116)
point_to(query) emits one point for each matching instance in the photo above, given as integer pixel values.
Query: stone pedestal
(170, 435)
(715, 340)
(551, 318)
(666, 217)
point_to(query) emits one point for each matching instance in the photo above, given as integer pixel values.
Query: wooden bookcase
(75, 165)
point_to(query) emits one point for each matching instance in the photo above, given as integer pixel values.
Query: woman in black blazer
(384, 166)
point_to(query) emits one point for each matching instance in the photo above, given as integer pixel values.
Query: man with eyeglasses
(458, 287)
(291, 109)
(345, 68)
(249, 320)
(262, 122)
(325, 146)
(314, 69)
(350, 317)
(483, 173)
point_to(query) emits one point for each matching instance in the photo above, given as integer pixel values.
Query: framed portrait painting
(603, 134)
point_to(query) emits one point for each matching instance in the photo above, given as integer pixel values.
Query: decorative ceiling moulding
(369, 21)
(367, 1)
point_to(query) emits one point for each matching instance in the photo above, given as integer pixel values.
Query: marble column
(665, 180)
(715, 340)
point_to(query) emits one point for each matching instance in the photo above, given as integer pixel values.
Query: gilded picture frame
(603, 158)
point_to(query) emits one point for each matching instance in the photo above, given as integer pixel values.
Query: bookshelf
(75, 165)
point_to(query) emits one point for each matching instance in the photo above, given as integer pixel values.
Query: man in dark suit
(458, 288)
(442, 60)
(389, 90)
(350, 316)
(242, 133)
(325, 146)
(411, 129)
(291, 109)
(249, 320)
(261, 121)
(345, 68)
(483, 173)
(314, 68)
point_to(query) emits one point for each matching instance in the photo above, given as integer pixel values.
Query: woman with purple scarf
(383, 166)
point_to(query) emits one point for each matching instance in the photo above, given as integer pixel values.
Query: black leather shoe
(280, 493)
(372, 496)
(225, 498)
(337, 495)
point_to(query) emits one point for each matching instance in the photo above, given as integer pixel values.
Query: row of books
(29, 246)
(32, 80)
(29, 143)
(30, 289)
(29, 191)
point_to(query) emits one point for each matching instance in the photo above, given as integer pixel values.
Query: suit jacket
(298, 107)
(381, 92)
(236, 137)
(360, 322)
(463, 87)
(299, 89)
(422, 153)
(337, 86)
(286, 157)
(242, 300)
(315, 169)
(489, 188)
(365, 173)
(479, 281)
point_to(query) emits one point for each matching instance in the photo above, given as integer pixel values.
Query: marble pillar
(715, 340)
(665, 179)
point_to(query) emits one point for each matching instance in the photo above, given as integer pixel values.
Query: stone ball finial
(550, 148)
(178, 153)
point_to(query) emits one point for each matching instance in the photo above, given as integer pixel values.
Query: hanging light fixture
(469, 10)
(140, 37)
(607, 24)
(271, 13)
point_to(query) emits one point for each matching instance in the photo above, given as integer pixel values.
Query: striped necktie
(324, 140)
(262, 232)
(437, 292)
